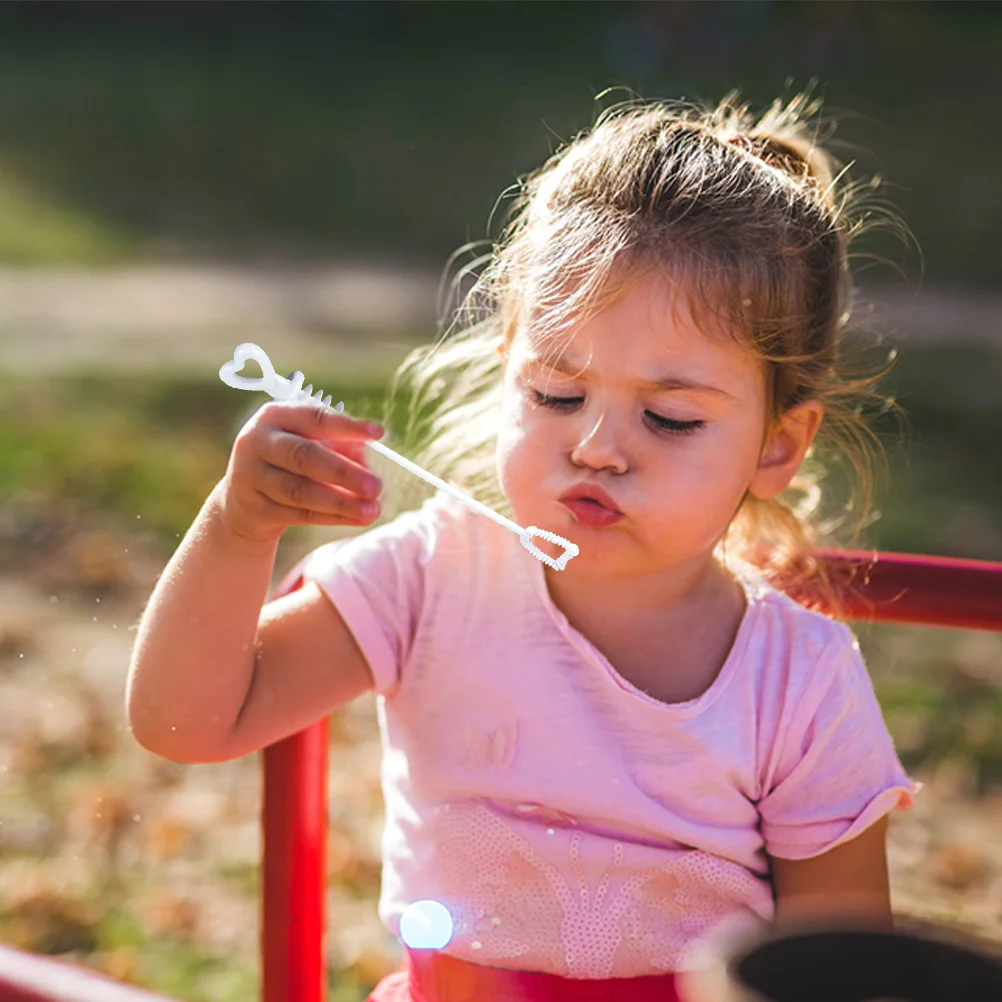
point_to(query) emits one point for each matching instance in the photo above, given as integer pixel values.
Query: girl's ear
(785, 448)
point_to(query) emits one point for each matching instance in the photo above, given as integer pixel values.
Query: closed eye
(568, 404)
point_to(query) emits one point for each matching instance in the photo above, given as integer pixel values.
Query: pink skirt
(432, 976)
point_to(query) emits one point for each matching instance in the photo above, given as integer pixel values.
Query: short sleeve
(377, 582)
(836, 772)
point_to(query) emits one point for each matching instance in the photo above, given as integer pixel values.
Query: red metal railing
(294, 859)
(915, 588)
(294, 867)
(887, 587)
(25, 977)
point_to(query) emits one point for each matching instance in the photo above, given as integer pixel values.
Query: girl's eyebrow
(662, 383)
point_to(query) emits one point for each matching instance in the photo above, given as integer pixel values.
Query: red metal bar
(294, 862)
(27, 977)
(920, 589)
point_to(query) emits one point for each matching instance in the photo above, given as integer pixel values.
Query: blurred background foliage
(293, 136)
(386, 129)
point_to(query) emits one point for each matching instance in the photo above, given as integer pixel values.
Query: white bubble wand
(292, 389)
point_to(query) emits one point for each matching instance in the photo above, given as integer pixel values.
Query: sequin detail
(514, 908)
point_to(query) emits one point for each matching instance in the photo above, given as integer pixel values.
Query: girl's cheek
(522, 425)
(516, 413)
(515, 450)
(512, 433)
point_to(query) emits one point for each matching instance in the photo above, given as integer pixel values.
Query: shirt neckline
(754, 588)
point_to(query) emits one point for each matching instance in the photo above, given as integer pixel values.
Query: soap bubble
(426, 925)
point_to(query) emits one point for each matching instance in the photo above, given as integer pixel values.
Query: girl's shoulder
(788, 629)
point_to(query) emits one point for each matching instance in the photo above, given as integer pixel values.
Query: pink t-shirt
(569, 822)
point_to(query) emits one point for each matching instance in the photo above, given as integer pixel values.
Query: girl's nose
(600, 444)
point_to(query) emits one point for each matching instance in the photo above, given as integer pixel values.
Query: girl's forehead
(647, 320)
(641, 344)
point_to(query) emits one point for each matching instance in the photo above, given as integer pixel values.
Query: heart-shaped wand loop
(292, 389)
(277, 386)
(570, 549)
(243, 352)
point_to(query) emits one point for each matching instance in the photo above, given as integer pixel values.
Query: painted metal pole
(294, 864)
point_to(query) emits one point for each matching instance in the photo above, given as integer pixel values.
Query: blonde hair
(750, 217)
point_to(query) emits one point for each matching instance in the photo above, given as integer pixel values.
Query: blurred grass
(942, 493)
(146, 447)
(133, 455)
(37, 229)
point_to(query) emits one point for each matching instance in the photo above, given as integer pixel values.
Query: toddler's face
(678, 482)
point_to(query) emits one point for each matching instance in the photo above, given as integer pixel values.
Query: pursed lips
(602, 500)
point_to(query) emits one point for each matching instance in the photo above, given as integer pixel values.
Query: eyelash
(663, 423)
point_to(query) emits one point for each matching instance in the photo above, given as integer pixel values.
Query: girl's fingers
(319, 462)
(311, 420)
(357, 452)
(311, 501)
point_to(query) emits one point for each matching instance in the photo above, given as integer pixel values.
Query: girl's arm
(193, 657)
(847, 882)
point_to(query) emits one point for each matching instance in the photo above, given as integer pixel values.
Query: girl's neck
(662, 601)
(672, 651)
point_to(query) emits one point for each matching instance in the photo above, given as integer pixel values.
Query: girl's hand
(298, 463)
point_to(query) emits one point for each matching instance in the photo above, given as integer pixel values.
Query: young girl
(589, 772)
